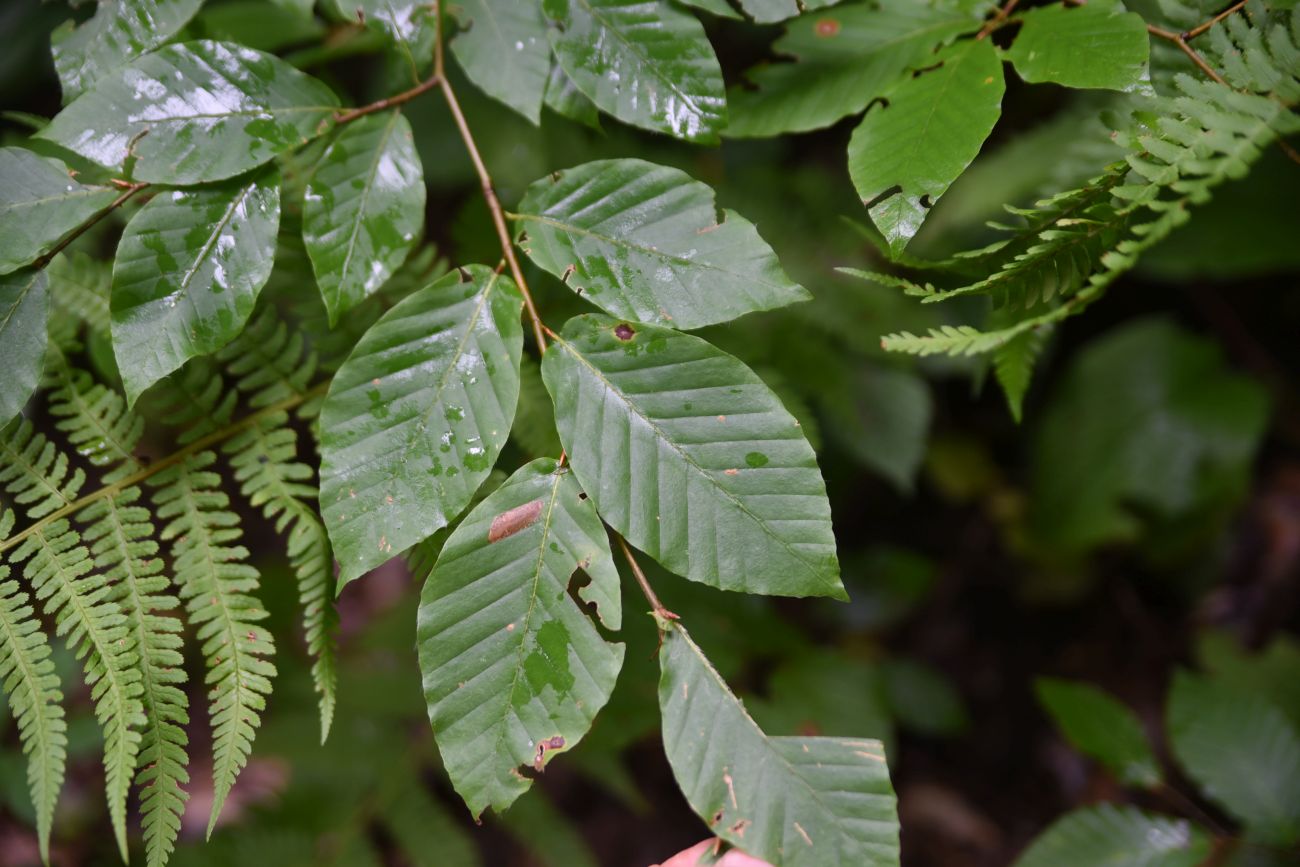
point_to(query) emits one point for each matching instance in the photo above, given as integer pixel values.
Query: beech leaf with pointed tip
(118, 32)
(40, 203)
(794, 801)
(1242, 751)
(188, 272)
(1111, 836)
(24, 310)
(504, 50)
(906, 153)
(648, 64)
(690, 456)
(1097, 44)
(1099, 726)
(514, 670)
(416, 417)
(363, 209)
(644, 242)
(195, 112)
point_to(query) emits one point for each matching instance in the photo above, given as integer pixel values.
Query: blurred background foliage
(1143, 516)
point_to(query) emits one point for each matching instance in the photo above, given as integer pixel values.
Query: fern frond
(34, 472)
(271, 363)
(264, 457)
(195, 401)
(1013, 365)
(80, 287)
(79, 600)
(32, 689)
(121, 538)
(217, 584)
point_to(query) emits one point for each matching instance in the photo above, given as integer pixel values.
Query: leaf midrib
(366, 190)
(683, 455)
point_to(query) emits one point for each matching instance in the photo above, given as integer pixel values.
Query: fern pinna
(274, 339)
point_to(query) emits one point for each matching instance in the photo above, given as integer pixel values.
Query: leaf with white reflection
(364, 209)
(189, 268)
(195, 112)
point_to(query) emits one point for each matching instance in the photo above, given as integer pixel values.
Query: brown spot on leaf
(827, 27)
(555, 743)
(623, 331)
(731, 472)
(512, 521)
(739, 828)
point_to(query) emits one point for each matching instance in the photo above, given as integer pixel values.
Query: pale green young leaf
(195, 112)
(514, 670)
(1102, 728)
(794, 801)
(644, 241)
(1242, 751)
(189, 268)
(903, 155)
(648, 64)
(40, 203)
(363, 210)
(118, 32)
(1097, 44)
(688, 454)
(840, 61)
(417, 415)
(24, 309)
(503, 48)
(1110, 836)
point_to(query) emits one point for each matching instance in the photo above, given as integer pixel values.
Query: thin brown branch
(129, 191)
(1201, 28)
(998, 18)
(388, 102)
(489, 191)
(156, 467)
(643, 582)
(1177, 39)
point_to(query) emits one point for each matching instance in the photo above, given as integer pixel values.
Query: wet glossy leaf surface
(842, 60)
(1094, 45)
(189, 268)
(364, 209)
(39, 204)
(504, 50)
(932, 128)
(24, 308)
(118, 32)
(644, 242)
(417, 415)
(691, 457)
(408, 24)
(648, 64)
(794, 801)
(195, 112)
(514, 670)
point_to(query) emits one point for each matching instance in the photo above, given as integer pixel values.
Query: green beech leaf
(119, 31)
(1243, 752)
(1097, 44)
(40, 203)
(841, 60)
(790, 800)
(644, 242)
(504, 50)
(720, 8)
(408, 24)
(416, 416)
(691, 457)
(364, 209)
(514, 670)
(903, 156)
(563, 97)
(648, 64)
(195, 112)
(1110, 836)
(1102, 728)
(24, 309)
(188, 271)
